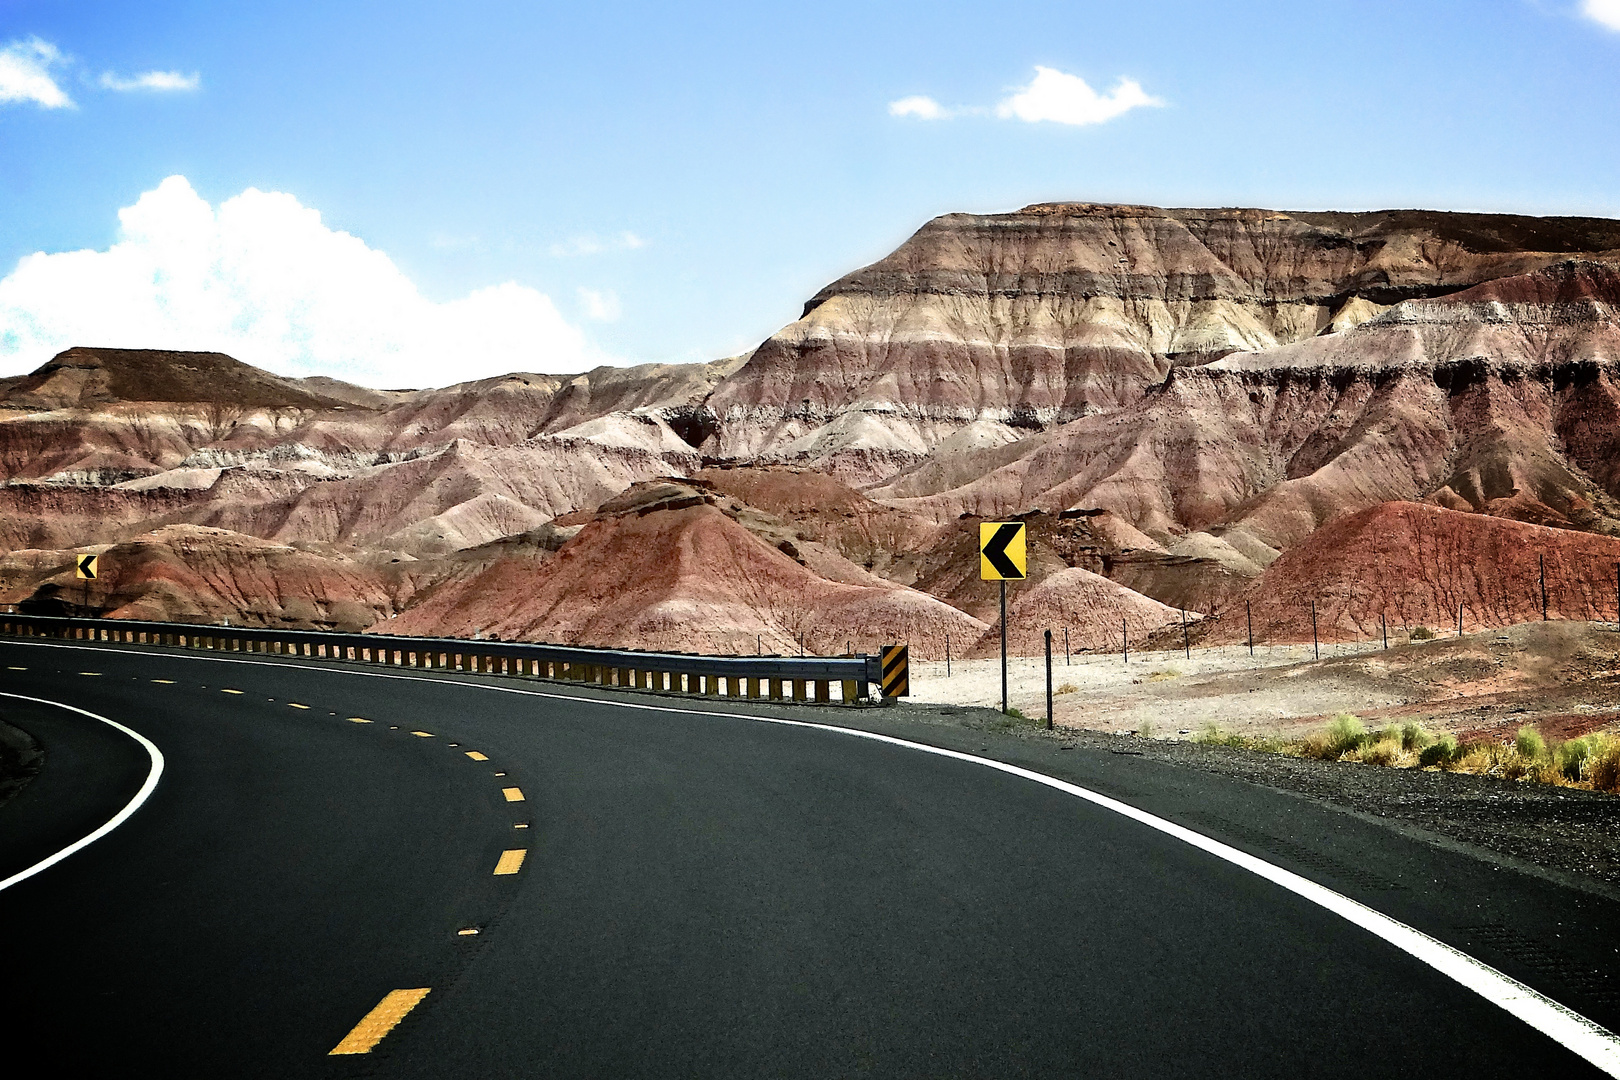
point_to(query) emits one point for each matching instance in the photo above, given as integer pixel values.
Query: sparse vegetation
(1591, 761)
(1529, 744)
(1067, 688)
(1442, 753)
(1422, 633)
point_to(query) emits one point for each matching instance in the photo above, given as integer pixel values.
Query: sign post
(1003, 557)
(84, 567)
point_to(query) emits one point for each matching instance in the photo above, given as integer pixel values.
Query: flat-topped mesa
(1060, 310)
(84, 377)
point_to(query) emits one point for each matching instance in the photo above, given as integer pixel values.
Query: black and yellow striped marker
(896, 671)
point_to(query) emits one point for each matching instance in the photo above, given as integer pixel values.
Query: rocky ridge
(1173, 400)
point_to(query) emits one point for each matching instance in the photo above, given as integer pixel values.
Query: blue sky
(651, 182)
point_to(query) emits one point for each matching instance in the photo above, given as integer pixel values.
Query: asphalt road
(705, 896)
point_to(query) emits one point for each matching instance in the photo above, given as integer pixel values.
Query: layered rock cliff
(1171, 398)
(1000, 324)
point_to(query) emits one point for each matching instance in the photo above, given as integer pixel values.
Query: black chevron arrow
(996, 550)
(87, 565)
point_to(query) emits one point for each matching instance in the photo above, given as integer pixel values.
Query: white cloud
(25, 74)
(1067, 99)
(262, 278)
(1603, 12)
(591, 244)
(157, 81)
(920, 106)
(601, 305)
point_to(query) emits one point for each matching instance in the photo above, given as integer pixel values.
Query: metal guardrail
(809, 679)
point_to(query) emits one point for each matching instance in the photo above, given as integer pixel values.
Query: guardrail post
(848, 692)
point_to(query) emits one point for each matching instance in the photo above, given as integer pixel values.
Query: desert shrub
(1549, 772)
(1479, 757)
(1414, 736)
(1571, 758)
(1215, 735)
(1529, 744)
(1316, 745)
(1422, 633)
(1345, 733)
(1148, 729)
(1388, 733)
(1443, 752)
(1383, 752)
(1067, 688)
(1604, 767)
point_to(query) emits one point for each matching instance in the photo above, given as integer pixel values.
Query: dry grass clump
(1592, 761)
(1066, 688)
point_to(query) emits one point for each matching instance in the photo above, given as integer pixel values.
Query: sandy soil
(1562, 676)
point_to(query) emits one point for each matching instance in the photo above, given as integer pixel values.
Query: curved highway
(445, 878)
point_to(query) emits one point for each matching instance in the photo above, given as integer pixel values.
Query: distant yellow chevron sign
(1002, 555)
(85, 567)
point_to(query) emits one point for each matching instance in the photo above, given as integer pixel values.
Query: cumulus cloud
(262, 278)
(591, 244)
(1054, 96)
(154, 81)
(601, 305)
(25, 75)
(1067, 99)
(1603, 12)
(920, 106)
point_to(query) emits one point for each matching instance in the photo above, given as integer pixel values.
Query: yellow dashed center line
(295, 705)
(423, 734)
(89, 673)
(476, 756)
(380, 1021)
(513, 794)
(165, 682)
(358, 720)
(230, 691)
(16, 668)
(511, 860)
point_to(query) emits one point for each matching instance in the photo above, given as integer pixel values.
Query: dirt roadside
(1563, 677)
(1569, 835)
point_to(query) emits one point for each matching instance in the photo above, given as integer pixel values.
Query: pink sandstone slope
(688, 578)
(1414, 565)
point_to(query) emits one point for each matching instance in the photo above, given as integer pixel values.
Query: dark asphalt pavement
(702, 896)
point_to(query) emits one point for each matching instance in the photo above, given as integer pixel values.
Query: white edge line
(117, 819)
(1584, 1037)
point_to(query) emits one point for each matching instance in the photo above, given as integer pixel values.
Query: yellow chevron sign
(85, 567)
(1002, 555)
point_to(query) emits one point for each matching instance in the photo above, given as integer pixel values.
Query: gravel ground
(1569, 834)
(1564, 676)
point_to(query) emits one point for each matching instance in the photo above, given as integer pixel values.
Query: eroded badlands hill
(985, 327)
(1173, 400)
